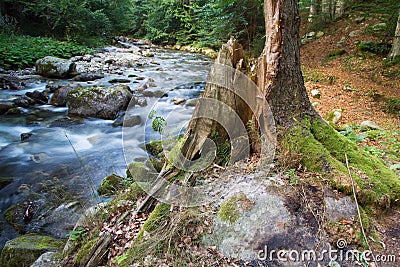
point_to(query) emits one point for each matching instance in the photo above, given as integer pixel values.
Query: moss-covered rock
(54, 67)
(98, 102)
(110, 185)
(24, 250)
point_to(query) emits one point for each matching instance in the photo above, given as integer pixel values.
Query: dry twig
(358, 209)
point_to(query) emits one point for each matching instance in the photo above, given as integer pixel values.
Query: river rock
(86, 77)
(25, 250)
(178, 101)
(25, 136)
(119, 80)
(39, 97)
(127, 120)
(366, 125)
(141, 101)
(148, 93)
(67, 121)
(59, 98)
(152, 84)
(54, 67)
(5, 106)
(142, 87)
(98, 102)
(209, 52)
(191, 103)
(22, 102)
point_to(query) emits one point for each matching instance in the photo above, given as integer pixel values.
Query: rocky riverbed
(61, 134)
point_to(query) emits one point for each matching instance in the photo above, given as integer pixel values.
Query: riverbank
(66, 157)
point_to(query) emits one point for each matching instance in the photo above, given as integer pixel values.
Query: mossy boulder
(54, 67)
(110, 185)
(98, 102)
(24, 250)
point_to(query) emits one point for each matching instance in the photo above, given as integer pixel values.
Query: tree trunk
(395, 51)
(303, 133)
(340, 6)
(279, 75)
(314, 8)
(326, 9)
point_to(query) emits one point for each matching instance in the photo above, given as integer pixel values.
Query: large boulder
(24, 250)
(98, 102)
(54, 67)
(254, 219)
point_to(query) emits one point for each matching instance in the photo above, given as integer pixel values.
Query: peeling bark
(279, 75)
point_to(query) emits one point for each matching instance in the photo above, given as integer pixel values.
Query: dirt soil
(356, 84)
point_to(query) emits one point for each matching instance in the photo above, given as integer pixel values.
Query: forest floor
(357, 84)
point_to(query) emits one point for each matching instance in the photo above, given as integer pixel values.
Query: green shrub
(393, 106)
(23, 51)
(374, 47)
(335, 53)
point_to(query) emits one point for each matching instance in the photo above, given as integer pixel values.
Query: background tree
(395, 51)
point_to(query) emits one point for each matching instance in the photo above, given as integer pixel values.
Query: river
(56, 171)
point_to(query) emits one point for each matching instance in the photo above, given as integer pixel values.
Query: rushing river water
(57, 171)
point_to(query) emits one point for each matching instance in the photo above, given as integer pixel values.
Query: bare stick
(358, 208)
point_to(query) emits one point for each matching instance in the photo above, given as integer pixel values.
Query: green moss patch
(85, 250)
(159, 215)
(323, 150)
(231, 208)
(110, 185)
(24, 250)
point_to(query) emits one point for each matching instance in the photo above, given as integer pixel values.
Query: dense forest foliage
(194, 22)
(165, 21)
